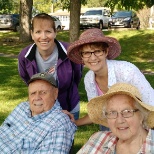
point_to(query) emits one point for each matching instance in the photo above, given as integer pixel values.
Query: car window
(107, 13)
(122, 14)
(94, 12)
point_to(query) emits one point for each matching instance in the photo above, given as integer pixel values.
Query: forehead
(120, 101)
(39, 22)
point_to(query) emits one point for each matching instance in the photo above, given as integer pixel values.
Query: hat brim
(95, 108)
(75, 56)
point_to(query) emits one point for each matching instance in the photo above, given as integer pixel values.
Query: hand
(71, 116)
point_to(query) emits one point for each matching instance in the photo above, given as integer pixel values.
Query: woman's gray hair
(143, 112)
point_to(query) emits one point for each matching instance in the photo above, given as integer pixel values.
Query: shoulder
(58, 119)
(98, 143)
(121, 65)
(90, 74)
(65, 44)
(101, 135)
(25, 50)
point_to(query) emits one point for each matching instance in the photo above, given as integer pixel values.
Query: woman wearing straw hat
(129, 119)
(97, 52)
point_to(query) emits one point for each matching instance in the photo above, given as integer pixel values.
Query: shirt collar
(44, 114)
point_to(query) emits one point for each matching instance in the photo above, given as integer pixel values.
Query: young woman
(47, 54)
(97, 52)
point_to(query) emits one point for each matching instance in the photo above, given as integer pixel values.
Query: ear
(83, 62)
(55, 93)
(106, 53)
(31, 34)
(55, 34)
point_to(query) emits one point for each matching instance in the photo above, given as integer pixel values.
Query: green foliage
(128, 4)
(42, 6)
(65, 4)
(9, 6)
(96, 3)
(5, 6)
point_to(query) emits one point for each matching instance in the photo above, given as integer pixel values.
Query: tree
(25, 20)
(75, 7)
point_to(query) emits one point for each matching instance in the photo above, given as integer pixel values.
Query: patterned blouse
(105, 143)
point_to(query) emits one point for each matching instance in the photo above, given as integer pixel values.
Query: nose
(93, 56)
(37, 96)
(44, 36)
(120, 118)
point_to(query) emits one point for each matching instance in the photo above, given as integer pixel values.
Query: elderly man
(38, 125)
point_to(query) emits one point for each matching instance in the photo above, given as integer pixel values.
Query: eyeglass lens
(124, 113)
(96, 53)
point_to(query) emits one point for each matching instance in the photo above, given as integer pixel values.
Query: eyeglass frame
(90, 53)
(117, 113)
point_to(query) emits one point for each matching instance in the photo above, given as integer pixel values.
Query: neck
(101, 79)
(46, 53)
(133, 146)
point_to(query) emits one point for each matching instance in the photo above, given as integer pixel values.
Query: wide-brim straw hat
(91, 36)
(95, 105)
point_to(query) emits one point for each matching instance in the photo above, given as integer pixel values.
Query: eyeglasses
(96, 53)
(124, 113)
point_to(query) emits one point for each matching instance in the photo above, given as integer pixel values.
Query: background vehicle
(9, 21)
(95, 18)
(57, 23)
(127, 19)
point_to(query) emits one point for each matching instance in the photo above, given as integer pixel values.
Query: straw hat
(95, 106)
(91, 36)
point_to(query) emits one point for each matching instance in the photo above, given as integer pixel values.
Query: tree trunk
(25, 20)
(75, 7)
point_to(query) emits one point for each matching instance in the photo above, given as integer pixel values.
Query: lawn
(137, 47)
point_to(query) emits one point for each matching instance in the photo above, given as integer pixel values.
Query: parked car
(9, 21)
(95, 18)
(58, 23)
(127, 19)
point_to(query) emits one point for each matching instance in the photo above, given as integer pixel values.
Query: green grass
(137, 47)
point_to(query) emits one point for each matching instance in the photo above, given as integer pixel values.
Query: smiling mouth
(38, 104)
(44, 42)
(93, 63)
(123, 128)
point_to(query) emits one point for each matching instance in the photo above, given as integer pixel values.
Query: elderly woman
(129, 119)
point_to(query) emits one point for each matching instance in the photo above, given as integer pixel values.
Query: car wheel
(138, 27)
(101, 25)
(58, 28)
(130, 25)
(16, 28)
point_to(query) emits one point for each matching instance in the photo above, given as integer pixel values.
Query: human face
(42, 96)
(94, 63)
(126, 129)
(43, 35)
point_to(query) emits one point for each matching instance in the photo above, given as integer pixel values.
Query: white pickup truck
(95, 18)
